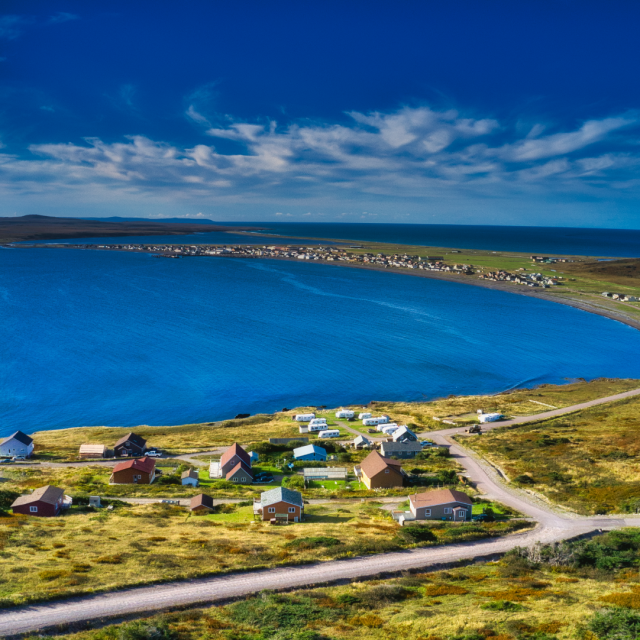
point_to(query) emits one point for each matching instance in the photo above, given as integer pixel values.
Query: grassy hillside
(587, 461)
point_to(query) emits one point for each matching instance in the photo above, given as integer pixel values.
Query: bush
(52, 574)
(384, 594)
(347, 598)
(616, 624)
(141, 630)
(444, 590)
(524, 479)
(293, 482)
(317, 541)
(7, 498)
(416, 534)
(502, 605)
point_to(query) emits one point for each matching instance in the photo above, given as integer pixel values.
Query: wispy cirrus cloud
(411, 153)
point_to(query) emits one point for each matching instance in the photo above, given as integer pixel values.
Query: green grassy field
(586, 461)
(588, 590)
(92, 550)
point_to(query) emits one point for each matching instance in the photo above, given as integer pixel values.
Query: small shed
(190, 477)
(310, 452)
(201, 504)
(93, 451)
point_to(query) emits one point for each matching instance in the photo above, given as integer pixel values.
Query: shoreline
(542, 294)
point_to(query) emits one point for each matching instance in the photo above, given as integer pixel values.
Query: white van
(304, 417)
(329, 433)
(345, 413)
(362, 416)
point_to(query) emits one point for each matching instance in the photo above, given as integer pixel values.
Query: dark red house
(45, 502)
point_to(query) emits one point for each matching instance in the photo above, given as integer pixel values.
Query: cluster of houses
(622, 297)
(549, 260)
(528, 279)
(322, 253)
(128, 446)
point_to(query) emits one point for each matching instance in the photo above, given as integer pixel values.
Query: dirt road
(553, 525)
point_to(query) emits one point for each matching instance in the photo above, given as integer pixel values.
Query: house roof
(48, 494)
(240, 465)
(190, 473)
(201, 500)
(235, 450)
(361, 439)
(374, 464)
(92, 448)
(389, 447)
(132, 437)
(281, 494)
(146, 465)
(309, 449)
(20, 437)
(438, 496)
(404, 431)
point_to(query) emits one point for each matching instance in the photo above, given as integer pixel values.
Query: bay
(106, 338)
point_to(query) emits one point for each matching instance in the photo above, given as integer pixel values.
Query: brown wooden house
(201, 504)
(130, 445)
(44, 502)
(138, 471)
(381, 473)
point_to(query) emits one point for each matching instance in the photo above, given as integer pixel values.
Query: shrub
(293, 482)
(524, 479)
(114, 559)
(53, 574)
(384, 594)
(626, 600)
(367, 620)
(616, 624)
(348, 599)
(502, 605)
(317, 541)
(416, 534)
(444, 590)
(140, 630)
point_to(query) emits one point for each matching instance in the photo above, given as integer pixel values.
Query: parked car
(18, 458)
(5, 460)
(427, 443)
(371, 431)
(154, 454)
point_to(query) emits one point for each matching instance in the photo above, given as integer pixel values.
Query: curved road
(552, 526)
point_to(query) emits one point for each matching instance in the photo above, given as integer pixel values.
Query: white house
(345, 413)
(404, 434)
(489, 417)
(329, 433)
(17, 444)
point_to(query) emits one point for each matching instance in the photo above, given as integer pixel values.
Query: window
(386, 470)
(272, 509)
(447, 510)
(427, 512)
(292, 509)
(33, 509)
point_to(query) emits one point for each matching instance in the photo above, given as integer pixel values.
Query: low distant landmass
(176, 220)
(36, 227)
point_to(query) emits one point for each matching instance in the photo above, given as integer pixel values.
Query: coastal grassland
(587, 461)
(587, 589)
(517, 402)
(63, 444)
(89, 550)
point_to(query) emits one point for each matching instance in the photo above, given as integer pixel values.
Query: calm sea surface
(97, 338)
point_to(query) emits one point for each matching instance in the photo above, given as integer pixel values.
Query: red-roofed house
(232, 456)
(139, 471)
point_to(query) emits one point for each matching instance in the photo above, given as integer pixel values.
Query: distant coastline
(543, 294)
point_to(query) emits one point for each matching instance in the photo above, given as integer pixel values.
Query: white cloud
(412, 153)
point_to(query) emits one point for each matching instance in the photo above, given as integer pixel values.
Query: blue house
(310, 452)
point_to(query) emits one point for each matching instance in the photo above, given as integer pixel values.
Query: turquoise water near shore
(92, 338)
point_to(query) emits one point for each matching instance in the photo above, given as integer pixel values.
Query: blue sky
(460, 112)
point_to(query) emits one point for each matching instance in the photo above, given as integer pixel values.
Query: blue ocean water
(544, 240)
(102, 338)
